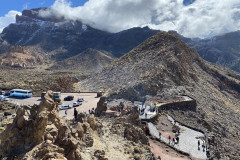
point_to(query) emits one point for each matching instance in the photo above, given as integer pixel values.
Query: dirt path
(165, 152)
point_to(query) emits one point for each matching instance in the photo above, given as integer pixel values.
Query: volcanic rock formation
(38, 132)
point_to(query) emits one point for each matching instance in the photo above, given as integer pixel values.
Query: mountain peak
(33, 15)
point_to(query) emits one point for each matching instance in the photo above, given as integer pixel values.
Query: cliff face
(164, 66)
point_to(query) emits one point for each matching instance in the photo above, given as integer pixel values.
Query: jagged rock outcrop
(101, 106)
(38, 132)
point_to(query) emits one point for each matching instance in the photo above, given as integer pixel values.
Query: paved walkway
(188, 141)
(147, 114)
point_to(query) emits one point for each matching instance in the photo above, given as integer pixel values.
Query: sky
(191, 18)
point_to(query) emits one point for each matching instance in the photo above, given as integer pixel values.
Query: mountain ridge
(163, 66)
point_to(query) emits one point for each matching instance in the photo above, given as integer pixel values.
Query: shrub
(175, 128)
(58, 100)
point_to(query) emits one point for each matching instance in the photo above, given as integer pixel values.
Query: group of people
(175, 139)
(204, 147)
(91, 111)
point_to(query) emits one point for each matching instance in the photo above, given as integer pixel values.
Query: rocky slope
(90, 60)
(38, 132)
(20, 57)
(164, 66)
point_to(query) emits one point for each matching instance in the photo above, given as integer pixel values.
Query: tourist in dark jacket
(75, 114)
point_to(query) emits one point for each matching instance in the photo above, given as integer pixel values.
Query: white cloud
(203, 18)
(7, 19)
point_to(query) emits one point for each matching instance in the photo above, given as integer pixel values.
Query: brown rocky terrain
(164, 66)
(37, 132)
(90, 60)
(20, 57)
(37, 80)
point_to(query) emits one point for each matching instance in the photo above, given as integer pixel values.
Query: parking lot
(90, 101)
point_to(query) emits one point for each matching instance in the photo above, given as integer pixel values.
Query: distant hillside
(90, 60)
(164, 66)
(223, 49)
(20, 57)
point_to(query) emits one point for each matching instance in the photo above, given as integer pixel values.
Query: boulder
(101, 106)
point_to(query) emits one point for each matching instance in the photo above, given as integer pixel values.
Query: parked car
(7, 113)
(7, 94)
(2, 92)
(3, 98)
(69, 98)
(80, 100)
(62, 107)
(76, 104)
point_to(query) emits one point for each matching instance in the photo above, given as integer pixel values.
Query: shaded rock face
(38, 132)
(20, 57)
(129, 129)
(135, 134)
(101, 106)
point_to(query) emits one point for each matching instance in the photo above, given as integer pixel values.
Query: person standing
(177, 139)
(169, 138)
(160, 134)
(75, 114)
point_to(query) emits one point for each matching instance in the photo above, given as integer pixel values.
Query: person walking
(75, 114)
(178, 132)
(198, 144)
(203, 146)
(160, 134)
(169, 138)
(173, 140)
(177, 139)
(66, 112)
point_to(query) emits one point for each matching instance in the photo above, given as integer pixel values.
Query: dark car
(7, 94)
(69, 98)
(2, 92)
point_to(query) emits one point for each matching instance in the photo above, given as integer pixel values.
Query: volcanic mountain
(222, 49)
(60, 38)
(164, 66)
